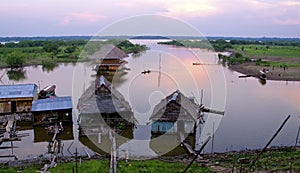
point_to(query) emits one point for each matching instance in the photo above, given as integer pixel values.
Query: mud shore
(274, 73)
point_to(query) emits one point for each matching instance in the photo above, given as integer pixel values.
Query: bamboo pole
(296, 142)
(273, 137)
(198, 152)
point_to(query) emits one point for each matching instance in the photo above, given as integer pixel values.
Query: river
(253, 111)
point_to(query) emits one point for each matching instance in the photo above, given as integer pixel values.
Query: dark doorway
(13, 106)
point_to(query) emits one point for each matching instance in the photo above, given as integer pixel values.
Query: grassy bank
(94, 166)
(132, 166)
(50, 52)
(279, 159)
(262, 51)
(273, 160)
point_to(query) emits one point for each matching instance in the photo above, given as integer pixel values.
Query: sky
(241, 18)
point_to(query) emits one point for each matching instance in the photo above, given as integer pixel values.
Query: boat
(47, 92)
(146, 72)
(262, 74)
(197, 63)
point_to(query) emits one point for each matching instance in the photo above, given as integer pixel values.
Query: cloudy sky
(254, 18)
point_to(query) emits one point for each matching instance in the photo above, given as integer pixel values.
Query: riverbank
(276, 159)
(275, 73)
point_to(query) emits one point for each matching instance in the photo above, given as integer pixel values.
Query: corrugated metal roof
(18, 91)
(56, 103)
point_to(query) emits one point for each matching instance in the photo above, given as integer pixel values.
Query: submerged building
(52, 110)
(17, 98)
(103, 111)
(175, 113)
(108, 59)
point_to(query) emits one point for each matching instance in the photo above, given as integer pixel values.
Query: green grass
(95, 166)
(133, 166)
(64, 53)
(269, 160)
(30, 169)
(36, 55)
(263, 50)
(275, 160)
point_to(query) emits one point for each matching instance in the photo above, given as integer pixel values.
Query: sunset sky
(254, 18)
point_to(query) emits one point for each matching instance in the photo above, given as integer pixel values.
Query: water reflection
(16, 74)
(262, 81)
(41, 135)
(49, 67)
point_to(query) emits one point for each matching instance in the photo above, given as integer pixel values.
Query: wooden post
(296, 142)
(113, 156)
(198, 152)
(276, 133)
(76, 159)
(213, 139)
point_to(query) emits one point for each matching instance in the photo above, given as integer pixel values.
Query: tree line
(48, 52)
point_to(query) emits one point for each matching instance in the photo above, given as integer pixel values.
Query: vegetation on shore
(92, 166)
(277, 159)
(217, 45)
(50, 52)
(268, 53)
(274, 159)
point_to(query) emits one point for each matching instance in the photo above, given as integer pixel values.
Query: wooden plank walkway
(185, 144)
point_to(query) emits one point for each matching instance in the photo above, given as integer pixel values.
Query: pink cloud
(287, 22)
(82, 17)
(193, 8)
(290, 3)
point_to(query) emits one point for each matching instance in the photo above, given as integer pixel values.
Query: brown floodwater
(253, 111)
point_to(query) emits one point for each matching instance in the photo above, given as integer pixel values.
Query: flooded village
(150, 86)
(111, 119)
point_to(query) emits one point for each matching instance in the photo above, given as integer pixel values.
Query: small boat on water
(146, 72)
(47, 92)
(262, 74)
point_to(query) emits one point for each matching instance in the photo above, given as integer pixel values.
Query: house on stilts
(103, 109)
(108, 60)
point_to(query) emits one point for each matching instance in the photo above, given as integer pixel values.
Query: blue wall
(163, 126)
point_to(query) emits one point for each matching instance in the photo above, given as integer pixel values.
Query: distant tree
(51, 48)
(294, 44)
(10, 45)
(70, 49)
(15, 59)
(238, 55)
(125, 43)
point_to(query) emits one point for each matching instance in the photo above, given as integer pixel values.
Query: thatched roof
(102, 97)
(175, 107)
(109, 51)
